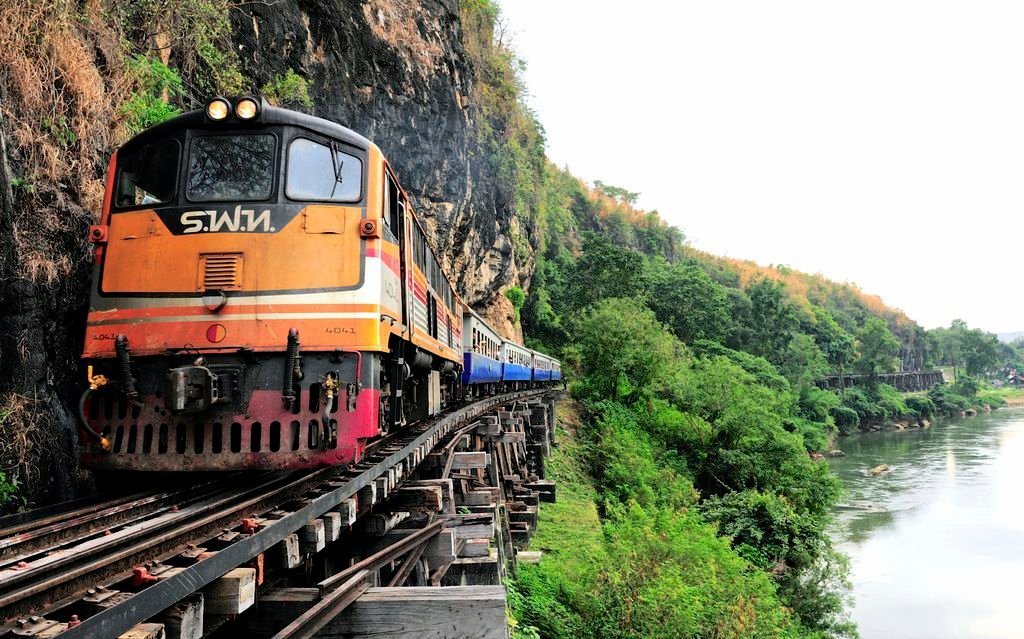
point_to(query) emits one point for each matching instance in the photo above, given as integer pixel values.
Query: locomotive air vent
(220, 271)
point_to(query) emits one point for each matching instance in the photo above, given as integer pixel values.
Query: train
(264, 297)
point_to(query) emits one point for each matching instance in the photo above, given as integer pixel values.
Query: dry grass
(27, 443)
(62, 75)
(399, 25)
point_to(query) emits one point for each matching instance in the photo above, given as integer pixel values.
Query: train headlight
(247, 109)
(217, 109)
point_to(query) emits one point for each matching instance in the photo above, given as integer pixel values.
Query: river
(936, 544)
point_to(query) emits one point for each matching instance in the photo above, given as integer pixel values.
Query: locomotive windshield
(315, 174)
(231, 167)
(148, 175)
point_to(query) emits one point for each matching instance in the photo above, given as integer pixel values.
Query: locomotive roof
(269, 115)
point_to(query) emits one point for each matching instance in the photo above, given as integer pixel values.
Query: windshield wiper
(338, 165)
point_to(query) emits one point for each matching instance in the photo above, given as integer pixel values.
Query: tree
(876, 348)
(980, 351)
(803, 363)
(773, 320)
(688, 302)
(604, 271)
(624, 350)
(835, 343)
(617, 193)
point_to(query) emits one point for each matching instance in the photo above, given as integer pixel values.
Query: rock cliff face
(398, 73)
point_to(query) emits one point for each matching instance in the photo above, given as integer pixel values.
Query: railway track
(158, 547)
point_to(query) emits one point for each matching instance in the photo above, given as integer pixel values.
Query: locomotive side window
(148, 175)
(231, 167)
(394, 205)
(315, 173)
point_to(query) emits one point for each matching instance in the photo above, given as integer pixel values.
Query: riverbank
(910, 424)
(886, 409)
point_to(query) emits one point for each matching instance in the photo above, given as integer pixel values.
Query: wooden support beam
(383, 484)
(476, 548)
(527, 515)
(285, 554)
(478, 497)
(348, 510)
(470, 461)
(332, 526)
(438, 546)
(474, 531)
(367, 496)
(312, 537)
(378, 524)
(424, 613)
(447, 492)
(545, 487)
(489, 428)
(512, 437)
(184, 620)
(473, 571)
(145, 631)
(417, 498)
(529, 556)
(232, 594)
(278, 608)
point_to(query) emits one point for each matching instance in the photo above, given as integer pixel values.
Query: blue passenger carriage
(517, 363)
(541, 367)
(481, 351)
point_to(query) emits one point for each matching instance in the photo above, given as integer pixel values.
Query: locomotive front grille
(220, 271)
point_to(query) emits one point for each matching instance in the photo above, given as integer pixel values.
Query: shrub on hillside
(847, 419)
(947, 401)
(922, 406)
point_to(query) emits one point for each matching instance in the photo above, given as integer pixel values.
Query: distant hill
(1010, 337)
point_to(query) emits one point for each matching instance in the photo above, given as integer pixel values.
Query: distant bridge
(906, 382)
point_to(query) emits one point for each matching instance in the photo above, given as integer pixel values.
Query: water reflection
(937, 542)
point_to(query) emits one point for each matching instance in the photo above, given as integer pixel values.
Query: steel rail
(153, 599)
(54, 536)
(17, 523)
(223, 509)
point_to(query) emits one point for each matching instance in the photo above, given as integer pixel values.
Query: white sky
(878, 142)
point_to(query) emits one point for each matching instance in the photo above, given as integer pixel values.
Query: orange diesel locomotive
(263, 297)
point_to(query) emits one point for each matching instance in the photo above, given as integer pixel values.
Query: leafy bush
(947, 401)
(892, 402)
(990, 398)
(629, 466)
(10, 497)
(517, 296)
(847, 419)
(624, 350)
(864, 405)
(147, 106)
(288, 90)
(966, 386)
(922, 406)
(817, 436)
(763, 371)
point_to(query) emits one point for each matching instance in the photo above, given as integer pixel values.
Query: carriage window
(148, 175)
(231, 167)
(314, 173)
